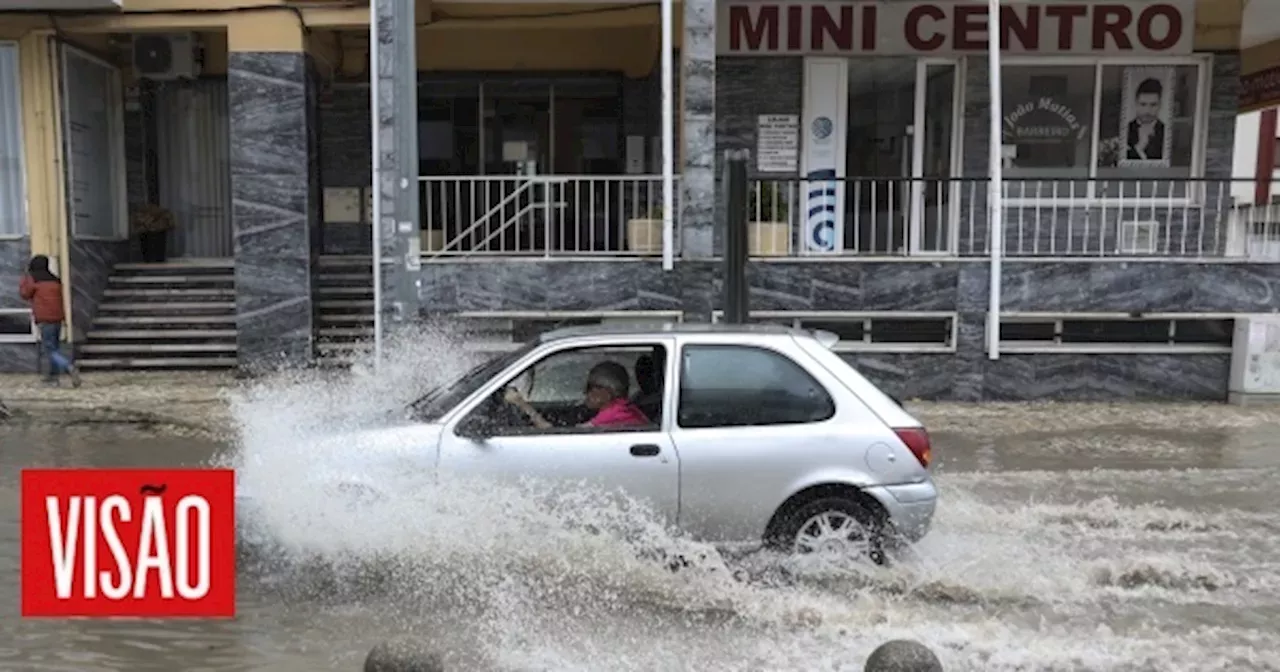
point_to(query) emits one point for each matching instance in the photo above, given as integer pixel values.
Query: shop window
(12, 196)
(883, 332)
(1028, 331)
(1094, 130)
(1203, 332)
(1044, 334)
(1115, 331)
(15, 326)
(1146, 128)
(1048, 114)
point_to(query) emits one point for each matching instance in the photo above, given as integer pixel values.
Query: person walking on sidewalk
(43, 290)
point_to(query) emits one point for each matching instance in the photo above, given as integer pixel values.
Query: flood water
(1054, 549)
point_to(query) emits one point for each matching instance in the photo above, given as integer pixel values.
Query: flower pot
(155, 246)
(644, 236)
(432, 240)
(768, 239)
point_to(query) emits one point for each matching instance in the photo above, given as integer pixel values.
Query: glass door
(935, 194)
(882, 104)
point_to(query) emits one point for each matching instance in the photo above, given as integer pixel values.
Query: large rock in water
(902, 655)
(405, 654)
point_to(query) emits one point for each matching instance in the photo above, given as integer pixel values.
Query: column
(698, 97)
(275, 189)
(397, 173)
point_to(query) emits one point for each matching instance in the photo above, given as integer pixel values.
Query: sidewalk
(193, 402)
(173, 402)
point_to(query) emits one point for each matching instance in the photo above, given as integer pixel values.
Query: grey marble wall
(344, 158)
(14, 256)
(739, 82)
(91, 264)
(275, 205)
(943, 286)
(698, 133)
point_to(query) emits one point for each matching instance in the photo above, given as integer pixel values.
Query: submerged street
(1089, 538)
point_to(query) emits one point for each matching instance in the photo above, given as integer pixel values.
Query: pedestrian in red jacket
(43, 290)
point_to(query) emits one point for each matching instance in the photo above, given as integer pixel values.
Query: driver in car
(605, 393)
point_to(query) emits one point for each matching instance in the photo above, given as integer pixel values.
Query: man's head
(1146, 101)
(605, 382)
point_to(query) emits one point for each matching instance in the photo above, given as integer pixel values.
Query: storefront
(1102, 104)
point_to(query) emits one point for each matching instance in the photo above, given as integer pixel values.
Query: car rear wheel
(834, 527)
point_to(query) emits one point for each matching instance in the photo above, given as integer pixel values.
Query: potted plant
(768, 220)
(644, 234)
(151, 224)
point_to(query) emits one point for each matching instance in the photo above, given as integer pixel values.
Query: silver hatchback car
(734, 434)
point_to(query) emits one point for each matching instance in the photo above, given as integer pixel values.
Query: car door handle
(645, 450)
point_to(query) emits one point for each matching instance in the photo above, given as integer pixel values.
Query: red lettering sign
(907, 27)
(147, 543)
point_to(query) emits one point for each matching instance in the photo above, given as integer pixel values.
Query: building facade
(1127, 252)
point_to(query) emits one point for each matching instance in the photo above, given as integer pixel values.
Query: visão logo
(146, 543)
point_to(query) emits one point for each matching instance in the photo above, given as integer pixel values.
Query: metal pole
(995, 200)
(668, 140)
(735, 238)
(376, 150)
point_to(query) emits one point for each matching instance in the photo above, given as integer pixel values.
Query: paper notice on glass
(777, 143)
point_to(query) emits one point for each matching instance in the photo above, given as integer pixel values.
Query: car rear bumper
(910, 507)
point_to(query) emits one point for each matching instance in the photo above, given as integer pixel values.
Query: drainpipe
(995, 201)
(668, 141)
(1266, 165)
(376, 164)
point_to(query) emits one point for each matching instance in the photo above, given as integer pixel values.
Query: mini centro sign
(751, 28)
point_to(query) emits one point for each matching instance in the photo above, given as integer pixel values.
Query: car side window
(566, 396)
(743, 386)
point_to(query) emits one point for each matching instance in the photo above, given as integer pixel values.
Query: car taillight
(917, 440)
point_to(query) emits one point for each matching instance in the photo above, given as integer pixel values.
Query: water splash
(579, 579)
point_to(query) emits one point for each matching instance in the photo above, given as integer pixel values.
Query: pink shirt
(620, 413)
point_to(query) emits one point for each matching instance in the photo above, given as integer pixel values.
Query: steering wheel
(506, 413)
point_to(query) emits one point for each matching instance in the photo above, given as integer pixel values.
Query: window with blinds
(13, 200)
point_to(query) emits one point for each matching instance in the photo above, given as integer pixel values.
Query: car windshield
(440, 399)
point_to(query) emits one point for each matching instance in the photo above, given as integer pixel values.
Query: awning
(1259, 55)
(59, 5)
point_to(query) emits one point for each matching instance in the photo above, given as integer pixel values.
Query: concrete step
(213, 362)
(363, 318)
(345, 332)
(198, 293)
(160, 334)
(178, 267)
(338, 278)
(163, 321)
(180, 280)
(344, 304)
(323, 290)
(192, 348)
(172, 307)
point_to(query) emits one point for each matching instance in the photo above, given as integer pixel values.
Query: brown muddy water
(1150, 546)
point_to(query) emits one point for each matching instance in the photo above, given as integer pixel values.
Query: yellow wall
(41, 145)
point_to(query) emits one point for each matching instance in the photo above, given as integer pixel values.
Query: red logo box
(142, 543)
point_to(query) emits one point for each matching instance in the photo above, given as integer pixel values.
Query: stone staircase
(175, 315)
(344, 308)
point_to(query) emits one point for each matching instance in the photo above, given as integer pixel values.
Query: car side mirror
(475, 428)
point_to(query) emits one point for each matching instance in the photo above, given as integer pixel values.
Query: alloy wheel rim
(833, 533)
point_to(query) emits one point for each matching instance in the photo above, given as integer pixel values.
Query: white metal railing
(1042, 218)
(546, 215)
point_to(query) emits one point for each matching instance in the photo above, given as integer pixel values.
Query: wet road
(1065, 544)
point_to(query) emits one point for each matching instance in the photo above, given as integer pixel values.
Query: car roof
(655, 328)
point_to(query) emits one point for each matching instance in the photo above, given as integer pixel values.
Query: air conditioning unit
(1255, 359)
(167, 56)
(1138, 237)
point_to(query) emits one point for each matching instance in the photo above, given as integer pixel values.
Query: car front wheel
(833, 527)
